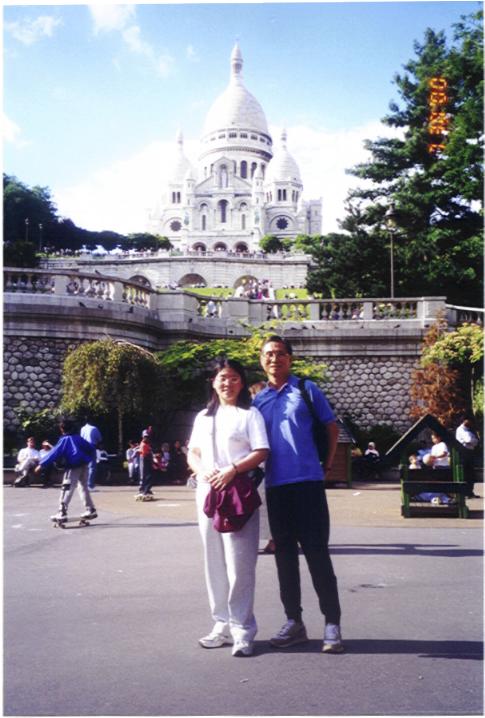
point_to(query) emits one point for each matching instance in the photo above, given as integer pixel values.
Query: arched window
(244, 169)
(243, 221)
(253, 168)
(204, 222)
(223, 210)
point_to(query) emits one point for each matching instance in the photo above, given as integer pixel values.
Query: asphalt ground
(104, 619)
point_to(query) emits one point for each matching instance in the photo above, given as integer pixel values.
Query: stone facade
(372, 390)
(32, 368)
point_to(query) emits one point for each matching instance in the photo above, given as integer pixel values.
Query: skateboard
(62, 523)
(144, 497)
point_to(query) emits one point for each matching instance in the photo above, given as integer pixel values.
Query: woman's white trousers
(230, 572)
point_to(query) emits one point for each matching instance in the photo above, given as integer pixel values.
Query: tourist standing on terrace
(295, 494)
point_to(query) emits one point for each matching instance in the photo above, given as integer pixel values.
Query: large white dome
(236, 107)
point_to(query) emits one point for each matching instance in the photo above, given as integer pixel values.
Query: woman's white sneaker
(215, 640)
(242, 648)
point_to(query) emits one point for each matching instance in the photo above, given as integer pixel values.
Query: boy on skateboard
(75, 453)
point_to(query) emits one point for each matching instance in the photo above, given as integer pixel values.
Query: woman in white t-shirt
(238, 445)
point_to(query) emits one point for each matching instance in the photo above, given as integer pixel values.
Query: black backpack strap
(306, 397)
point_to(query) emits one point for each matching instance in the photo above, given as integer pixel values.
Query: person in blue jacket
(75, 454)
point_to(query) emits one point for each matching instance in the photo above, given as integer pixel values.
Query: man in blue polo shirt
(295, 493)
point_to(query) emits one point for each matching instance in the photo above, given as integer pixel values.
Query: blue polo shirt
(293, 455)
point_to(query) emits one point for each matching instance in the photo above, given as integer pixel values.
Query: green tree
(147, 241)
(20, 254)
(461, 350)
(109, 376)
(438, 195)
(272, 244)
(344, 265)
(450, 371)
(24, 210)
(184, 365)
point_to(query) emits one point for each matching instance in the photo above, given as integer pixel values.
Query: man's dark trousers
(298, 514)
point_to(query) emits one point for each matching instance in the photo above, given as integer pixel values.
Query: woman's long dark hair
(244, 397)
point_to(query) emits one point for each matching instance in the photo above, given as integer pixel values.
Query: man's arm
(332, 436)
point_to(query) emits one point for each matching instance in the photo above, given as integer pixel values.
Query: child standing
(145, 453)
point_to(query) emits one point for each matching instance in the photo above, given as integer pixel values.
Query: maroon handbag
(231, 508)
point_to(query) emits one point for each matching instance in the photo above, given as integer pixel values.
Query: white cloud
(110, 17)
(119, 197)
(12, 133)
(121, 18)
(29, 31)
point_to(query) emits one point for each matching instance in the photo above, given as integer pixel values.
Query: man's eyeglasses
(275, 355)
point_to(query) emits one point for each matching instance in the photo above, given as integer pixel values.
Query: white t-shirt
(27, 453)
(438, 449)
(238, 432)
(466, 437)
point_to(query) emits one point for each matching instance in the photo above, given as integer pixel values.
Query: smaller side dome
(181, 167)
(283, 168)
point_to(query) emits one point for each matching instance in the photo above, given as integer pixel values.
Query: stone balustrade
(75, 284)
(185, 305)
(461, 315)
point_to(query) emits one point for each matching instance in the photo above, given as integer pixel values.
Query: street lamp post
(391, 225)
(40, 237)
(26, 229)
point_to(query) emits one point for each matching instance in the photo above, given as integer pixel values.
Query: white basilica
(241, 189)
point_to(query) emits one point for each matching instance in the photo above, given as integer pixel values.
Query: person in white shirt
(27, 460)
(466, 435)
(228, 438)
(439, 457)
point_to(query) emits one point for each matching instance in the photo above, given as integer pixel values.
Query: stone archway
(220, 247)
(241, 247)
(199, 247)
(192, 281)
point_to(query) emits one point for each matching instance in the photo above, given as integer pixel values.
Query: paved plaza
(104, 620)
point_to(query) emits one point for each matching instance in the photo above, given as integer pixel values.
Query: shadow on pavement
(404, 549)
(461, 650)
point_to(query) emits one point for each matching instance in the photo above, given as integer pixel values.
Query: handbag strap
(214, 448)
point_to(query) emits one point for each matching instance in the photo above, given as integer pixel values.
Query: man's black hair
(279, 340)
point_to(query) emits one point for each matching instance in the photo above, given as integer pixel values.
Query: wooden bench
(436, 481)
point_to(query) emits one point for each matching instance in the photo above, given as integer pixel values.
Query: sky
(94, 95)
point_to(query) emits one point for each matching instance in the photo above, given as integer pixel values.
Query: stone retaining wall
(370, 389)
(32, 374)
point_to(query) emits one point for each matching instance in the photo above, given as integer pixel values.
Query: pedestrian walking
(91, 434)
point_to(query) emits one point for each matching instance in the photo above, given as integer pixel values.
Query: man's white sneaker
(242, 648)
(332, 639)
(291, 633)
(215, 640)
